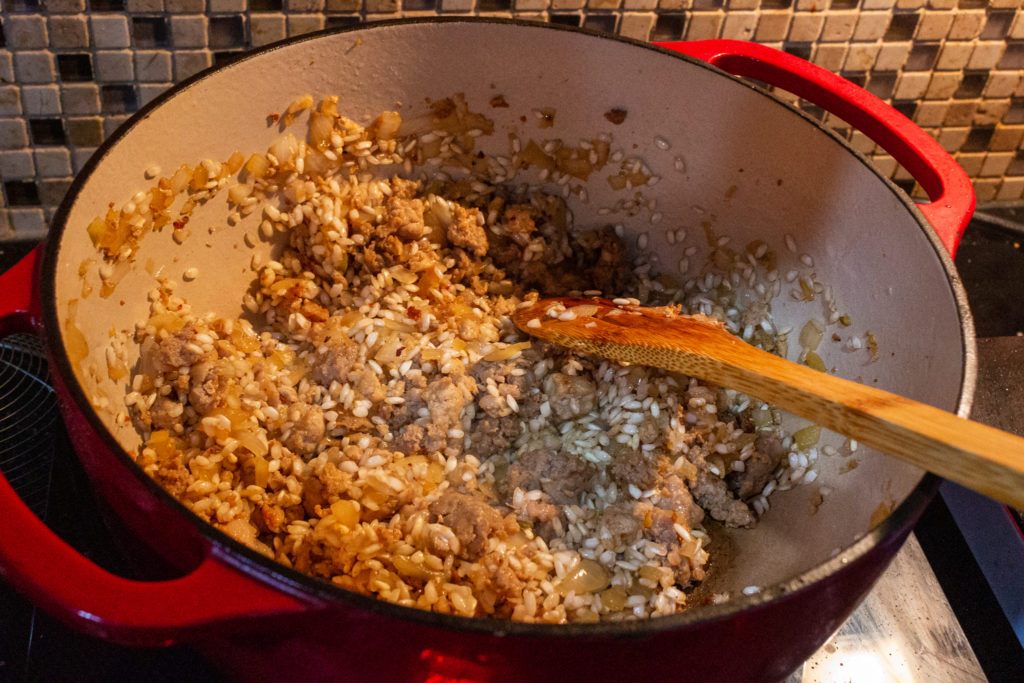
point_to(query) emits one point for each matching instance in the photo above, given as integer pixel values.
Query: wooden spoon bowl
(979, 457)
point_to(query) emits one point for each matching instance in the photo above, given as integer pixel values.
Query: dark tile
(669, 27)
(225, 57)
(151, 32)
(600, 22)
(881, 84)
(906, 184)
(47, 131)
(978, 139)
(813, 110)
(922, 57)
(972, 4)
(341, 20)
(494, 5)
(1014, 116)
(561, 19)
(264, 5)
(23, 6)
(74, 68)
(845, 4)
(21, 193)
(52, 191)
(960, 113)
(1016, 166)
(708, 4)
(227, 32)
(118, 99)
(901, 26)
(858, 78)
(972, 85)
(801, 50)
(1013, 56)
(3, 37)
(906, 107)
(106, 5)
(85, 132)
(419, 5)
(997, 24)
(776, 4)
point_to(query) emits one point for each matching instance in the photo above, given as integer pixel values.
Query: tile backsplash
(71, 71)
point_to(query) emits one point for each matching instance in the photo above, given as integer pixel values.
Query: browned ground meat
(308, 427)
(559, 474)
(674, 495)
(622, 524)
(472, 520)
(466, 232)
(713, 495)
(179, 349)
(571, 395)
(759, 467)
(635, 467)
(336, 354)
(404, 218)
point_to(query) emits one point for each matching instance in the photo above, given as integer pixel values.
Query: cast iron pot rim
(322, 594)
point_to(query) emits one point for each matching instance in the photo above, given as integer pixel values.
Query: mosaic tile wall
(72, 70)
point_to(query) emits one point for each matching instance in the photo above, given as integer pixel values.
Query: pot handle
(947, 185)
(72, 588)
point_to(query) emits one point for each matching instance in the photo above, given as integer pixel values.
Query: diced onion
(506, 352)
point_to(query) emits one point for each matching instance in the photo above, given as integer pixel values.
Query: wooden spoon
(979, 457)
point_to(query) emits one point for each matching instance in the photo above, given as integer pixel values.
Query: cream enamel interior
(753, 170)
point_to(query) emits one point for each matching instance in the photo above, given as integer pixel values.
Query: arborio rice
(383, 425)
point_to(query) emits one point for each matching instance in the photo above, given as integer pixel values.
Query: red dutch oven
(730, 157)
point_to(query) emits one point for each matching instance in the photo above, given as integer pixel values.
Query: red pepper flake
(272, 119)
(413, 312)
(181, 223)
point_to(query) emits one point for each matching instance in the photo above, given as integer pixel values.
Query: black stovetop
(35, 648)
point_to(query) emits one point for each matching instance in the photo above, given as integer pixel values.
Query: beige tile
(991, 112)
(79, 156)
(810, 5)
(861, 142)
(17, 164)
(878, 4)
(1010, 189)
(742, 4)
(702, 25)
(266, 28)
(34, 67)
(871, 25)
(985, 189)
(805, 28)
(150, 91)
(113, 65)
(773, 25)
(971, 162)
(943, 85)
(829, 56)
(304, 5)
(13, 134)
(953, 56)
(152, 65)
(1001, 83)
(839, 26)
(10, 100)
(40, 100)
(25, 32)
(930, 114)
(912, 85)
(80, 99)
(996, 163)
(630, 5)
(340, 6)
(892, 56)
(861, 56)
(933, 25)
(27, 223)
(909, 4)
(189, 30)
(530, 4)
(300, 24)
(109, 30)
(885, 164)
(147, 6)
(6, 67)
(1017, 29)
(52, 162)
(69, 32)
(1004, 4)
(967, 24)
(960, 113)
(986, 54)
(739, 25)
(636, 25)
(189, 62)
(1006, 138)
(662, 4)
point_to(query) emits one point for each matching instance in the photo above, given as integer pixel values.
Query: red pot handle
(72, 588)
(947, 185)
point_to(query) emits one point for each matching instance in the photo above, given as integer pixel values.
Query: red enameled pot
(740, 161)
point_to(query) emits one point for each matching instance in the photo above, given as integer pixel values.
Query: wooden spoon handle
(979, 457)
